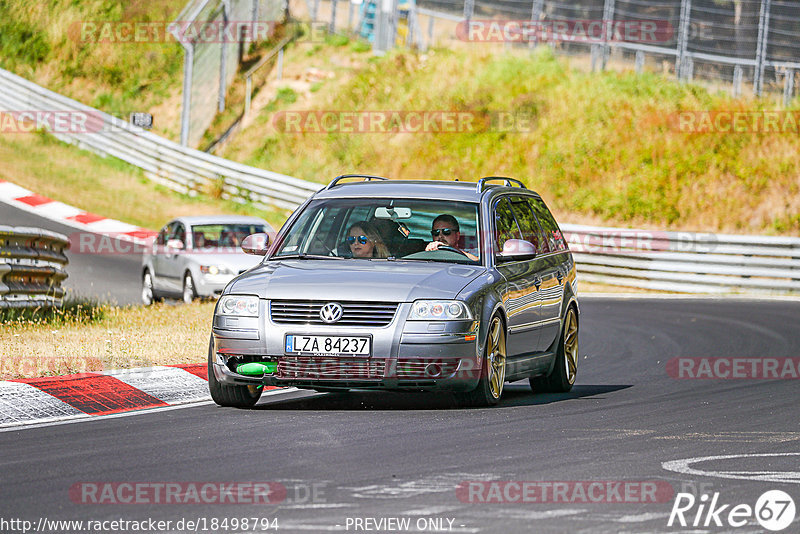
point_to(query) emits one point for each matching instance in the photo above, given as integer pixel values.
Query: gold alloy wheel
(496, 358)
(571, 346)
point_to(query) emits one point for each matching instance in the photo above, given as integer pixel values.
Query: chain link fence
(215, 35)
(749, 45)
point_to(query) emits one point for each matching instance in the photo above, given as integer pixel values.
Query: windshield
(374, 228)
(223, 235)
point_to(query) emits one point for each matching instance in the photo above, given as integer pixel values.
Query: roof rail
(367, 178)
(507, 181)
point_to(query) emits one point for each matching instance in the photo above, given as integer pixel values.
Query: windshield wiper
(304, 256)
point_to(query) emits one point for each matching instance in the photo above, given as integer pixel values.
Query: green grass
(44, 42)
(600, 146)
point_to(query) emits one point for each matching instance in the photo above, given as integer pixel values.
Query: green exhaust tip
(257, 368)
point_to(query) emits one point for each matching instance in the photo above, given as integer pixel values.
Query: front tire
(189, 292)
(229, 396)
(493, 370)
(562, 377)
(148, 293)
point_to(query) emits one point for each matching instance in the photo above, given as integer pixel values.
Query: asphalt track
(379, 455)
(113, 278)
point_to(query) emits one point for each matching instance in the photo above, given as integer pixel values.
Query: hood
(355, 280)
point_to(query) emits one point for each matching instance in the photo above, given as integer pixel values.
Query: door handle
(537, 282)
(560, 276)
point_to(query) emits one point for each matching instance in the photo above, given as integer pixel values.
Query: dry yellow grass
(164, 334)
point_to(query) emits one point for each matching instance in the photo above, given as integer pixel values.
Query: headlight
(438, 310)
(242, 305)
(215, 269)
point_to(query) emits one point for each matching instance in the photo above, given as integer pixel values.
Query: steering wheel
(451, 249)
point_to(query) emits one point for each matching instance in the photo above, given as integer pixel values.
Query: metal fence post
(280, 64)
(536, 17)
(350, 15)
(683, 38)
(248, 94)
(639, 62)
(333, 17)
(761, 50)
(469, 10)
(186, 106)
(788, 87)
(608, 30)
(738, 74)
(431, 20)
(226, 14)
(394, 22)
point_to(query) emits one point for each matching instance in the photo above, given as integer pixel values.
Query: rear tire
(562, 377)
(229, 396)
(493, 369)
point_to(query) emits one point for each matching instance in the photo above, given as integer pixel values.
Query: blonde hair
(380, 250)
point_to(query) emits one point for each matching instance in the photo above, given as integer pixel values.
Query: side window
(178, 232)
(549, 226)
(162, 236)
(531, 231)
(505, 227)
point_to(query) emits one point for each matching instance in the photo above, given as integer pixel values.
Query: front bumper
(211, 285)
(406, 355)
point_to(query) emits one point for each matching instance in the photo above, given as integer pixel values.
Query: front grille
(416, 368)
(330, 368)
(355, 313)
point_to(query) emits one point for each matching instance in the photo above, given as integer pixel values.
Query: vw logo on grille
(331, 312)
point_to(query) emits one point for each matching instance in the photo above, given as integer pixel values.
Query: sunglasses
(361, 239)
(445, 231)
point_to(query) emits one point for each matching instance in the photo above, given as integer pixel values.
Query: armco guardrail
(32, 267)
(672, 261)
(183, 169)
(685, 261)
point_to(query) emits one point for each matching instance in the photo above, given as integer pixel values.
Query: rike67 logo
(774, 510)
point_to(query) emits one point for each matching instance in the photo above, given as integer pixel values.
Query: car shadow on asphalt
(515, 394)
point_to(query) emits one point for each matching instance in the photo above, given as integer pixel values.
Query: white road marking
(640, 518)
(509, 513)
(683, 466)
(413, 488)
(433, 510)
(738, 437)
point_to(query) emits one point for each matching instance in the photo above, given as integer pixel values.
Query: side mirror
(256, 244)
(517, 250)
(174, 244)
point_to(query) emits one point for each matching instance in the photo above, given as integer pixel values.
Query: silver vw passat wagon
(402, 285)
